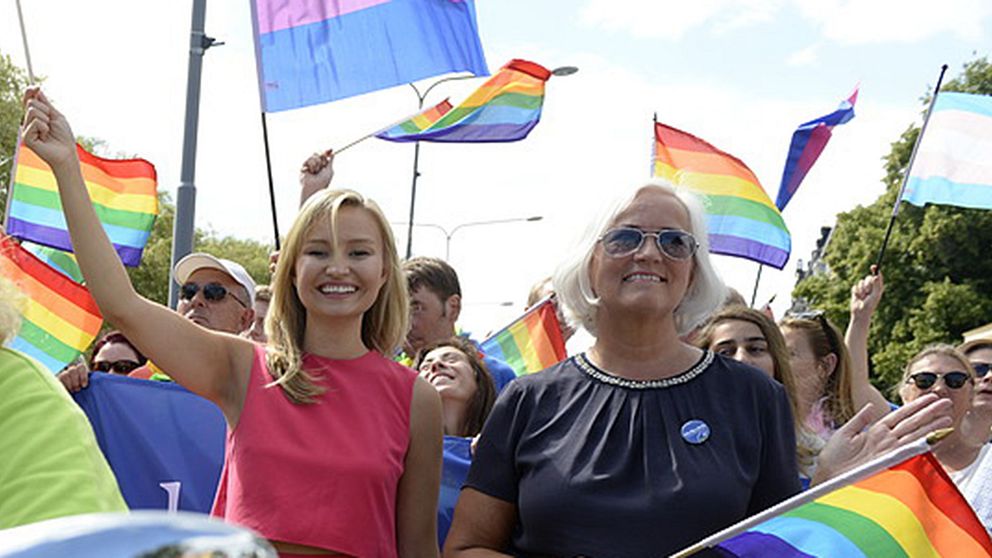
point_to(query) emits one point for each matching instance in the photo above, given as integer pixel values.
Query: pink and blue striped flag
(953, 164)
(315, 51)
(808, 142)
(505, 108)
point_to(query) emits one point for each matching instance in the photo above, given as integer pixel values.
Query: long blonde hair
(384, 325)
(11, 301)
(825, 339)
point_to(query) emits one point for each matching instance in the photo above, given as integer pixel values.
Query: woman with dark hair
(456, 370)
(114, 353)
(749, 336)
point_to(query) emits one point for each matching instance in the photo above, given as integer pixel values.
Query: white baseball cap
(201, 260)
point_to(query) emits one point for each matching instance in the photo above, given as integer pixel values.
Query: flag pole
(754, 294)
(886, 461)
(272, 189)
(24, 39)
(377, 132)
(905, 176)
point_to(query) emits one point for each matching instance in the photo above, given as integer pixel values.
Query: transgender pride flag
(316, 51)
(953, 164)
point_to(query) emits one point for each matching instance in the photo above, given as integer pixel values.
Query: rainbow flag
(953, 163)
(505, 108)
(741, 219)
(808, 142)
(418, 122)
(60, 319)
(123, 193)
(900, 505)
(63, 262)
(531, 343)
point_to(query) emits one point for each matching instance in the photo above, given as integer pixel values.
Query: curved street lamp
(448, 234)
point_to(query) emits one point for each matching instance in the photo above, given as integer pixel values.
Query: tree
(937, 273)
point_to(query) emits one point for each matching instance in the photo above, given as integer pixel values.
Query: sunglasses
(981, 368)
(116, 366)
(820, 318)
(214, 292)
(677, 245)
(926, 380)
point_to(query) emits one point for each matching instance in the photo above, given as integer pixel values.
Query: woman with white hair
(643, 444)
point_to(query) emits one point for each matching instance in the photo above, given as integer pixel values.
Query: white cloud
(880, 21)
(841, 21)
(671, 19)
(803, 57)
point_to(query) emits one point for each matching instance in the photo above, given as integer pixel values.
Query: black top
(599, 465)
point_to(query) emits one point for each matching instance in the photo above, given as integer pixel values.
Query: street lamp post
(559, 71)
(448, 234)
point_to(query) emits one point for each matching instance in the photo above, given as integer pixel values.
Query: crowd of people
(683, 414)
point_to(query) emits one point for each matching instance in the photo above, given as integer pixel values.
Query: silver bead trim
(591, 370)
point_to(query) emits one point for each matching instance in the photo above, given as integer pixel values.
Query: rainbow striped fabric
(531, 343)
(418, 122)
(60, 319)
(741, 219)
(952, 164)
(63, 262)
(505, 108)
(123, 194)
(910, 509)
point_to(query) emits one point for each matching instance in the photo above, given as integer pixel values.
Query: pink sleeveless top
(324, 474)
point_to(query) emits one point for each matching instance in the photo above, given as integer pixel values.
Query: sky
(741, 75)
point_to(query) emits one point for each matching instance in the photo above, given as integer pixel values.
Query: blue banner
(164, 444)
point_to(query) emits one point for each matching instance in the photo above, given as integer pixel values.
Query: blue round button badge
(695, 431)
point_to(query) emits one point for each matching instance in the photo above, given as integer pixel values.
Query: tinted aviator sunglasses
(926, 380)
(981, 368)
(214, 292)
(676, 244)
(116, 366)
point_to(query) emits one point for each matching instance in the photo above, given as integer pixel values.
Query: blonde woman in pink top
(332, 448)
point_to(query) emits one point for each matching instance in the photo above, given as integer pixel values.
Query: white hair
(573, 284)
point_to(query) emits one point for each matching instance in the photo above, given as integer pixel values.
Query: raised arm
(865, 296)
(316, 174)
(213, 365)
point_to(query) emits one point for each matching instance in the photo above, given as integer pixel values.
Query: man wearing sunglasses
(215, 293)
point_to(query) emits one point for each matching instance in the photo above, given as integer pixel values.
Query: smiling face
(646, 281)
(941, 364)
(744, 342)
(339, 279)
(451, 374)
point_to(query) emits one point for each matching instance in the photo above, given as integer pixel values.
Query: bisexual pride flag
(505, 108)
(315, 51)
(953, 164)
(808, 142)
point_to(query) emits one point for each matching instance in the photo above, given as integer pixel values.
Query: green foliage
(151, 278)
(938, 276)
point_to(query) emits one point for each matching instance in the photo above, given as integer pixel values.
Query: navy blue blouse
(598, 465)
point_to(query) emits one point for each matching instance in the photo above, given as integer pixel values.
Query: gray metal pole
(182, 231)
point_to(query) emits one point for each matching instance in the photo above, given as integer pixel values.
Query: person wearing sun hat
(214, 293)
